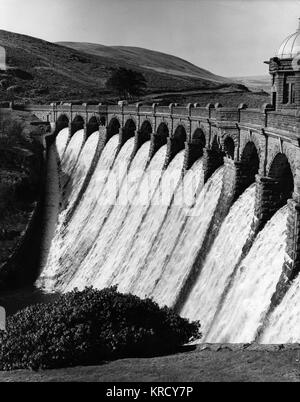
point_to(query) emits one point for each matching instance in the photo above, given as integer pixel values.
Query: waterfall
(60, 264)
(61, 141)
(156, 232)
(162, 246)
(245, 306)
(125, 232)
(224, 255)
(70, 156)
(150, 225)
(180, 262)
(283, 324)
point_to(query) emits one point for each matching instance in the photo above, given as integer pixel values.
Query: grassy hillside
(41, 71)
(147, 59)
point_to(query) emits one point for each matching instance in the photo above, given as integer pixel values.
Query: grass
(202, 363)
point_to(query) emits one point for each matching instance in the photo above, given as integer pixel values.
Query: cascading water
(246, 304)
(61, 141)
(134, 227)
(283, 324)
(184, 199)
(179, 264)
(150, 225)
(79, 172)
(126, 231)
(55, 273)
(223, 257)
(74, 184)
(108, 232)
(70, 157)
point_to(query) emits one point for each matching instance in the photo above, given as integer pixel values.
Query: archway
(113, 127)
(129, 129)
(199, 136)
(61, 123)
(229, 147)
(162, 133)
(250, 163)
(179, 137)
(145, 130)
(280, 171)
(92, 126)
(77, 124)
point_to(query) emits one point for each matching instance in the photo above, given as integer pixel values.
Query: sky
(228, 37)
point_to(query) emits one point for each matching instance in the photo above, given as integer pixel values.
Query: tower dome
(290, 47)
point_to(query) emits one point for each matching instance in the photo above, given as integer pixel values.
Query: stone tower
(285, 71)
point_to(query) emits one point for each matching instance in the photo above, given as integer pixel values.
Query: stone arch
(199, 136)
(77, 124)
(129, 129)
(113, 127)
(92, 126)
(249, 163)
(162, 131)
(179, 136)
(229, 147)
(283, 186)
(145, 130)
(61, 123)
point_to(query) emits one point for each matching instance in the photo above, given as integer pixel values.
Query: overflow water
(221, 260)
(180, 208)
(180, 262)
(56, 273)
(283, 324)
(244, 308)
(127, 230)
(143, 227)
(150, 224)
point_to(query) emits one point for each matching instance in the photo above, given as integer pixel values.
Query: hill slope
(147, 59)
(40, 71)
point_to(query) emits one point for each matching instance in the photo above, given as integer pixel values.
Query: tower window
(292, 93)
(285, 93)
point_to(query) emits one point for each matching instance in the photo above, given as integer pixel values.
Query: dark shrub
(87, 327)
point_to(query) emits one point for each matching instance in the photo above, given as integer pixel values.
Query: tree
(127, 83)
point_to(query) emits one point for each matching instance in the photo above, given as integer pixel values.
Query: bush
(83, 328)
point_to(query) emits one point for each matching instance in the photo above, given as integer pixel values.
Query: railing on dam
(266, 117)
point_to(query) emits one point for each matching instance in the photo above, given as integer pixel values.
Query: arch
(129, 128)
(61, 123)
(144, 133)
(250, 163)
(180, 136)
(146, 129)
(199, 135)
(92, 126)
(163, 132)
(229, 147)
(280, 170)
(113, 127)
(77, 124)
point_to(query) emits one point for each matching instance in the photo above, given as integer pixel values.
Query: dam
(195, 207)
